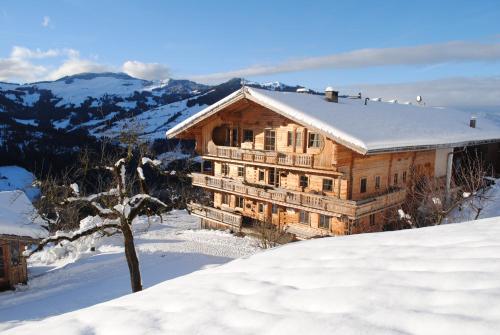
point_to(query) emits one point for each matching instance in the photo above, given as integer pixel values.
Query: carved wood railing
(215, 214)
(260, 156)
(350, 208)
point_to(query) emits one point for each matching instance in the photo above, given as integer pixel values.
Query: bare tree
(271, 235)
(427, 202)
(471, 176)
(122, 195)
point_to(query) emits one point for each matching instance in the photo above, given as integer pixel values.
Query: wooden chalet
(19, 227)
(319, 165)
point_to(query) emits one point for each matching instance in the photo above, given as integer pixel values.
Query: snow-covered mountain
(91, 101)
(103, 103)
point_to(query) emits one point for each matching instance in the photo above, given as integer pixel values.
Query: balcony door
(270, 140)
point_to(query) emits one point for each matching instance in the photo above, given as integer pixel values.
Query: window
(270, 176)
(274, 209)
(239, 202)
(404, 176)
(225, 199)
(362, 188)
(14, 253)
(206, 166)
(395, 179)
(261, 208)
(270, 140)
(298, 139)
(2, 266)
(314, 140)
(236, 137)
(303, 181)
(261, 175)
(327, 185)
(372, 219)
(304, 217)
(377, 182)
(324, 221)
(225, 169)
(289, 138)
(240, 171)
(247, 135)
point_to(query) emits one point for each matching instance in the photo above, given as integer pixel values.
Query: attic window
(314, 140)
(247, 135)
(270, 140)
(362, 186)
(289, 140)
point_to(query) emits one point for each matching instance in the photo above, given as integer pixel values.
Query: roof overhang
(205, 113)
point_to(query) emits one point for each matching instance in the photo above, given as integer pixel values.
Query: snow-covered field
(69, 278)
(436, 280)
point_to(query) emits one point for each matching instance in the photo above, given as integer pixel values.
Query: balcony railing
(269, 157)
(214, 214)
(350, 208)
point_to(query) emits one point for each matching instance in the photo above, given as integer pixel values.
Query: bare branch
(74, 237)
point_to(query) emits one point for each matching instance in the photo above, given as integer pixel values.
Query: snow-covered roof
(17, 178)
(18, 217)
(375, 127)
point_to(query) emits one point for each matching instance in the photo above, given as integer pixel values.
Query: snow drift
(436, 280)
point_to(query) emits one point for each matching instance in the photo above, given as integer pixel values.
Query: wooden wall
(345, 167)
(13, 274)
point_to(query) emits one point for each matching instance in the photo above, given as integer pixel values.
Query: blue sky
(213, 40)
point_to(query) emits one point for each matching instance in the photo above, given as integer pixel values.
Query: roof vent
(302, 90)
(472, 122)
(331, 95)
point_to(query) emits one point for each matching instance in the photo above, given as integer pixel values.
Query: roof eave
(430, 146)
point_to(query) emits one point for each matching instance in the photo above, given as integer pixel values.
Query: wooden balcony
(267, 157)
(214, 214)
(301, 200)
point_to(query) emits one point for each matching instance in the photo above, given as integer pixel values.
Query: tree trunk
(131, 255)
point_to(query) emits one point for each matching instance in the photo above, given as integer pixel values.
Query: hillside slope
(436, 280)
(103, 102)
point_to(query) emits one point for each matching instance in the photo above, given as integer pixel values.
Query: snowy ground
(435, 280)
(64, 279)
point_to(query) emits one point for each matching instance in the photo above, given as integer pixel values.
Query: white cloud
(45, 21)
(459, 51)
(478, 93)
(25, 53)
(76, 65)
(19, 65)
(149, 71)
(12, 69)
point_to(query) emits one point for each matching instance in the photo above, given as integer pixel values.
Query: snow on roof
(14, 177)
(18, 216)
(435, 280)
(375, 127)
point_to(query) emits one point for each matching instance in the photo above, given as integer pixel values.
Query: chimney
(472, 122)
(331, 95)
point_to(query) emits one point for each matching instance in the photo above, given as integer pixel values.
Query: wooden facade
(260, 165)
(13, 267)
